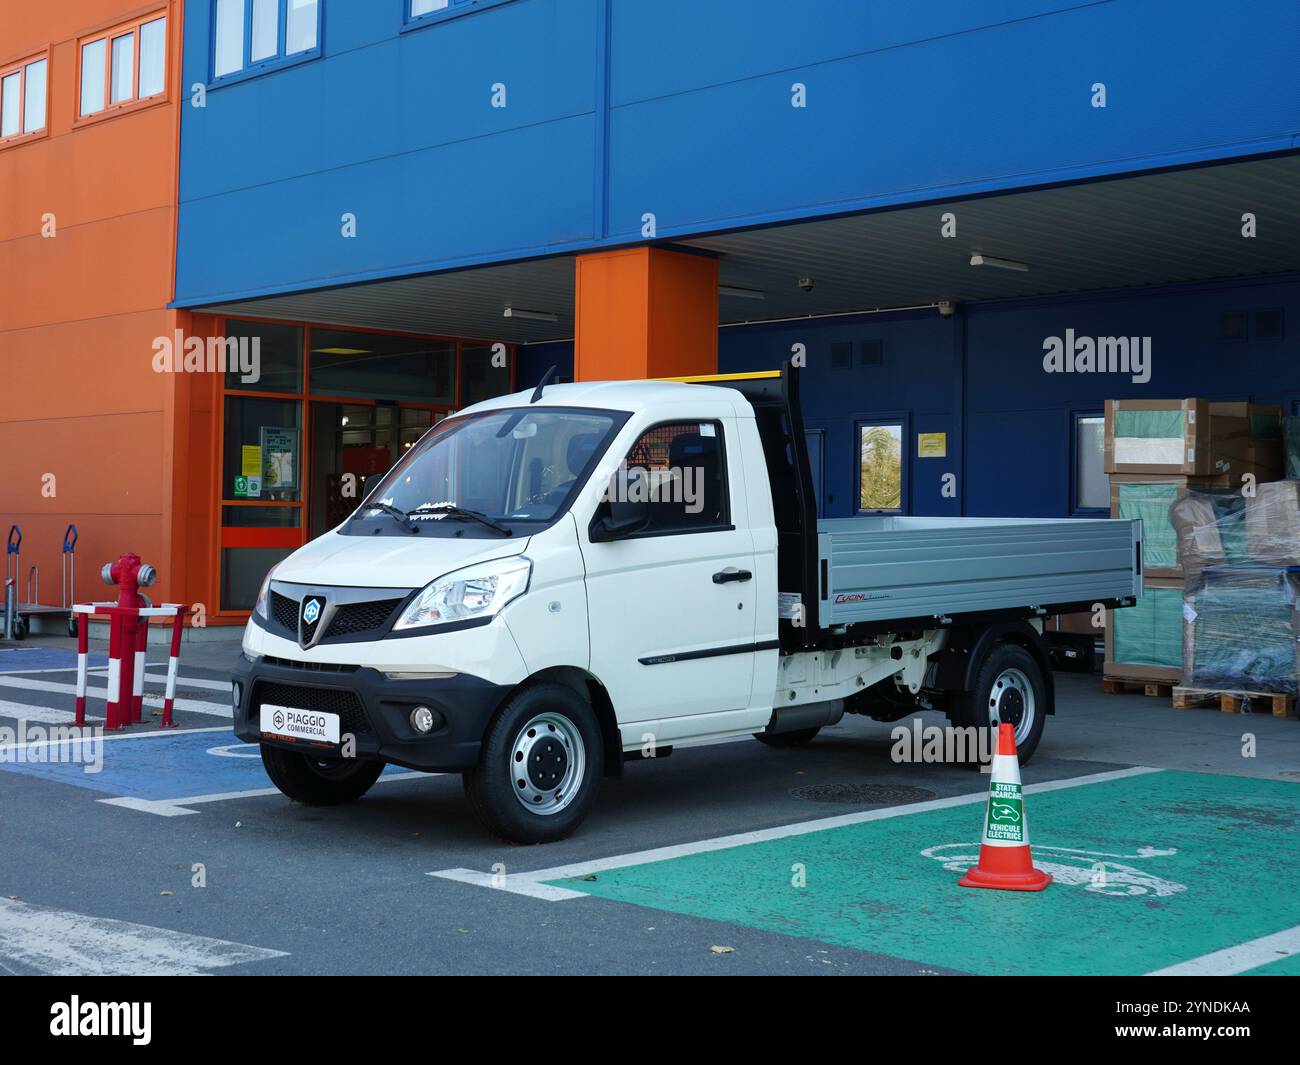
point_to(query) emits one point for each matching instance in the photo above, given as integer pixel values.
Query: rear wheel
(1010, 689)
(800, 738)
(539, 767)
(317, 781)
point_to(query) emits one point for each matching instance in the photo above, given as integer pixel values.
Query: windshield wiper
(450, 510)
(396, 513)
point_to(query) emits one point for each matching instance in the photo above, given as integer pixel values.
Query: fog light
(236, 694)
(422, 720)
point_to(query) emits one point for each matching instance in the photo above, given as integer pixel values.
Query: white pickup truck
(551, 583)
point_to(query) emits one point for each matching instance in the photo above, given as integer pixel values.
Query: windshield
(515, 465)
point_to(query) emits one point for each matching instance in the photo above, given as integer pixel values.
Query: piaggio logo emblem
(311, 611)
(278, 719)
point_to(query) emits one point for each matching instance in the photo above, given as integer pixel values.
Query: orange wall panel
(79, 312)
(645, 312)
(91, 271)
(100, 367)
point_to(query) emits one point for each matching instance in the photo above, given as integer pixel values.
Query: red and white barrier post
(173, 665)
(83, 660)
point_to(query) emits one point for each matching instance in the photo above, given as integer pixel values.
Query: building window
(23, 98)
(882, 471)
(123, 66)
(250, 35)
(1091, 488)
(429, 10)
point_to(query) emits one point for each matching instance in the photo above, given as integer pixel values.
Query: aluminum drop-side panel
(887, 567)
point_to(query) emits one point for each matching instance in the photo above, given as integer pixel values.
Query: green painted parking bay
(1150, 871)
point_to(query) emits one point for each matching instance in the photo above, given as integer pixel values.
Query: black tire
(801, 738)
(319, 781)
(536, 806)
(976, 707)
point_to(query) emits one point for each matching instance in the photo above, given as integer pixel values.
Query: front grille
(352, 716)
(353, 618)
(311, 667)
(284, 611)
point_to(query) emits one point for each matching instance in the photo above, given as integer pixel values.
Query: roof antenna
(546, 380)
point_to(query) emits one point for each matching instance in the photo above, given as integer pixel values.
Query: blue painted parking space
(30, 659)
(157, 767)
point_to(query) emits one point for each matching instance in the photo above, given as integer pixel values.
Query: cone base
(1033, 880)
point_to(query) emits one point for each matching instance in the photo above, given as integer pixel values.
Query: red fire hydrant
(128, 636)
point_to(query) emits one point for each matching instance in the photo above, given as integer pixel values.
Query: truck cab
(552, 582)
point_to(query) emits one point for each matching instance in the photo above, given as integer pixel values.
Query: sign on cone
(1005, 859)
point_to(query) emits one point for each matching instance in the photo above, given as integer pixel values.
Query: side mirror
(617, 521)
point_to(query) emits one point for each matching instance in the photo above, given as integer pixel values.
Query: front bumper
(374, 709)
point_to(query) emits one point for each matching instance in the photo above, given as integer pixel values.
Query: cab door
(672, 606)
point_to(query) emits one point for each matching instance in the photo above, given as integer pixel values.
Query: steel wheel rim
(1012, 699)
(547, 764)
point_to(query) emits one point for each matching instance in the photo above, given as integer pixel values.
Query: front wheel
(539, 767)
(1010, 689)
(319, 781)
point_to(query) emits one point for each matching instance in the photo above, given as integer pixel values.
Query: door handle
(732, 576)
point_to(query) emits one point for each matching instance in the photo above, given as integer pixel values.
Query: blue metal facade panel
(1010, 424)
(682, 108)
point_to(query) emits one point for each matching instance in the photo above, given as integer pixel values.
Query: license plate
(290, 723)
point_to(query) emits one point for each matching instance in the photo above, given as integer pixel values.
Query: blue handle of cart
(70, 540)
(15, 539)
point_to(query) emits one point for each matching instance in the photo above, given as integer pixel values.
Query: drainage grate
(868, 794)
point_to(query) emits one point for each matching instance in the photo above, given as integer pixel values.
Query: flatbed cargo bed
(887, 568)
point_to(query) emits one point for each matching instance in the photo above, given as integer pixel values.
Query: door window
(679, 468)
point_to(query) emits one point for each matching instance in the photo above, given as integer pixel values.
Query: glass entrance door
(351, 444)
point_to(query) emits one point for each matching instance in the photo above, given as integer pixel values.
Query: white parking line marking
(180, 807)
(1244, 956)
(62, 943)
(40, 715)
(191, 705)
(533, 883)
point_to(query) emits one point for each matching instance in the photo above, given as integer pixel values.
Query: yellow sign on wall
(932, 445)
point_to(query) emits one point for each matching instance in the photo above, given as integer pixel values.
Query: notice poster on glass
(279, 458)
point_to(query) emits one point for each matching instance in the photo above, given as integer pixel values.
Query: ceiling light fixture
(531, 316)
(1002, 264)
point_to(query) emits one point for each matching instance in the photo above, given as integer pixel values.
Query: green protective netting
(1265, 426)
(1242, 631)
(1151, 503)
(1151, 633)
(1291, 444)
(1149, 424)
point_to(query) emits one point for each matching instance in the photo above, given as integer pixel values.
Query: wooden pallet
(1120, 685)
(1280, 704)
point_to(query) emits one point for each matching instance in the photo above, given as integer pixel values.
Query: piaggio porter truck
(554, 582)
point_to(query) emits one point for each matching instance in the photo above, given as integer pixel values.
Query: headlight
(475, 592)
(259, 608)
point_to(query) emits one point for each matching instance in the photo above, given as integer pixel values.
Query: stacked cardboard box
(1157, 453)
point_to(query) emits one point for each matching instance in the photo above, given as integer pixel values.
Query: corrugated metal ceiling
(1158, 228)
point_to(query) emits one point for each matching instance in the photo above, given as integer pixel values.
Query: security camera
(807, 283)
(947, 308)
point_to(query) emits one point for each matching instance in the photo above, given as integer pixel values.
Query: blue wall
(682, 108)
(1009, 437)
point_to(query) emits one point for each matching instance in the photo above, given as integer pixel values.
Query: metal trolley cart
(16, 615)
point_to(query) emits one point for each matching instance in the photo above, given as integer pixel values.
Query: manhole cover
(869, 794)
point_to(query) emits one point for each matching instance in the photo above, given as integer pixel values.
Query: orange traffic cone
(1005, 859)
